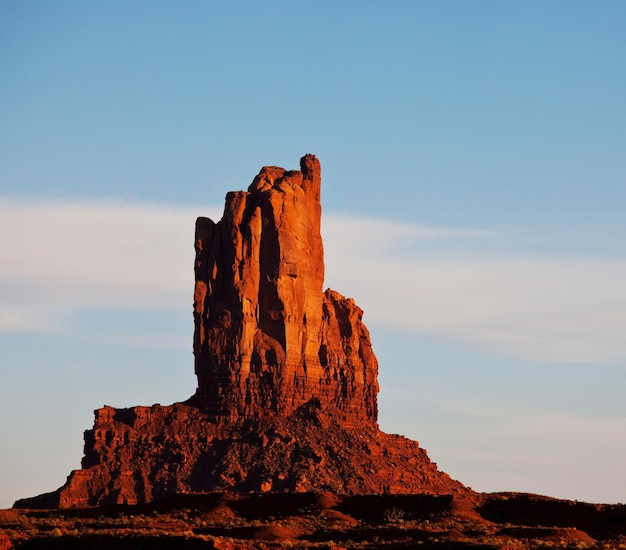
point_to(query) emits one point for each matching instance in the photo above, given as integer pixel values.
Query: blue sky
(473, 193)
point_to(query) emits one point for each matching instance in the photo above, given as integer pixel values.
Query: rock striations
(267, 339)
(287, 379)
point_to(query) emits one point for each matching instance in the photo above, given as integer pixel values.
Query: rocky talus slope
(287, 379)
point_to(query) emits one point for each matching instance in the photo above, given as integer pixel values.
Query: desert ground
(322, 520)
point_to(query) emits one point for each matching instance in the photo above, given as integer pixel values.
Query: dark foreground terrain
(322, 520)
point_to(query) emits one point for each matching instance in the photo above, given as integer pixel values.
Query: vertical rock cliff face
(267, 339)
(287, 380)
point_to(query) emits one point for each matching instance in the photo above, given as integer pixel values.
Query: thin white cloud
(21, 319)
(362, 235)
(63, 256)
(556, 309)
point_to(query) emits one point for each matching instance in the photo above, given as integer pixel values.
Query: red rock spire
(267, 339)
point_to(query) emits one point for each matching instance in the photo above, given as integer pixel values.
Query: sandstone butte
(287, 379)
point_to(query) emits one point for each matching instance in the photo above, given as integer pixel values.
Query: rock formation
(266, 337)
(287, 379)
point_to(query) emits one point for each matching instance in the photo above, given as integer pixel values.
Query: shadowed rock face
(287, 380)
(266, 337)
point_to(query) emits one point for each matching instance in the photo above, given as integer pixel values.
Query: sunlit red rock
(287, 379)
(266, 337)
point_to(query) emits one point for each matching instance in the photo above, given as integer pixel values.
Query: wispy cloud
(554, 308)
(58, 257)
(358, 235)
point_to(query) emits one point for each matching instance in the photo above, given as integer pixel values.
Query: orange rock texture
(287, 379)
(266, 337)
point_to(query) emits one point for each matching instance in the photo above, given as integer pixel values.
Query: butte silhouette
(287, 379)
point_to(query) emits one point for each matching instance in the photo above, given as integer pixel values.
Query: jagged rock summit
(267, 339)
(287, 379)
